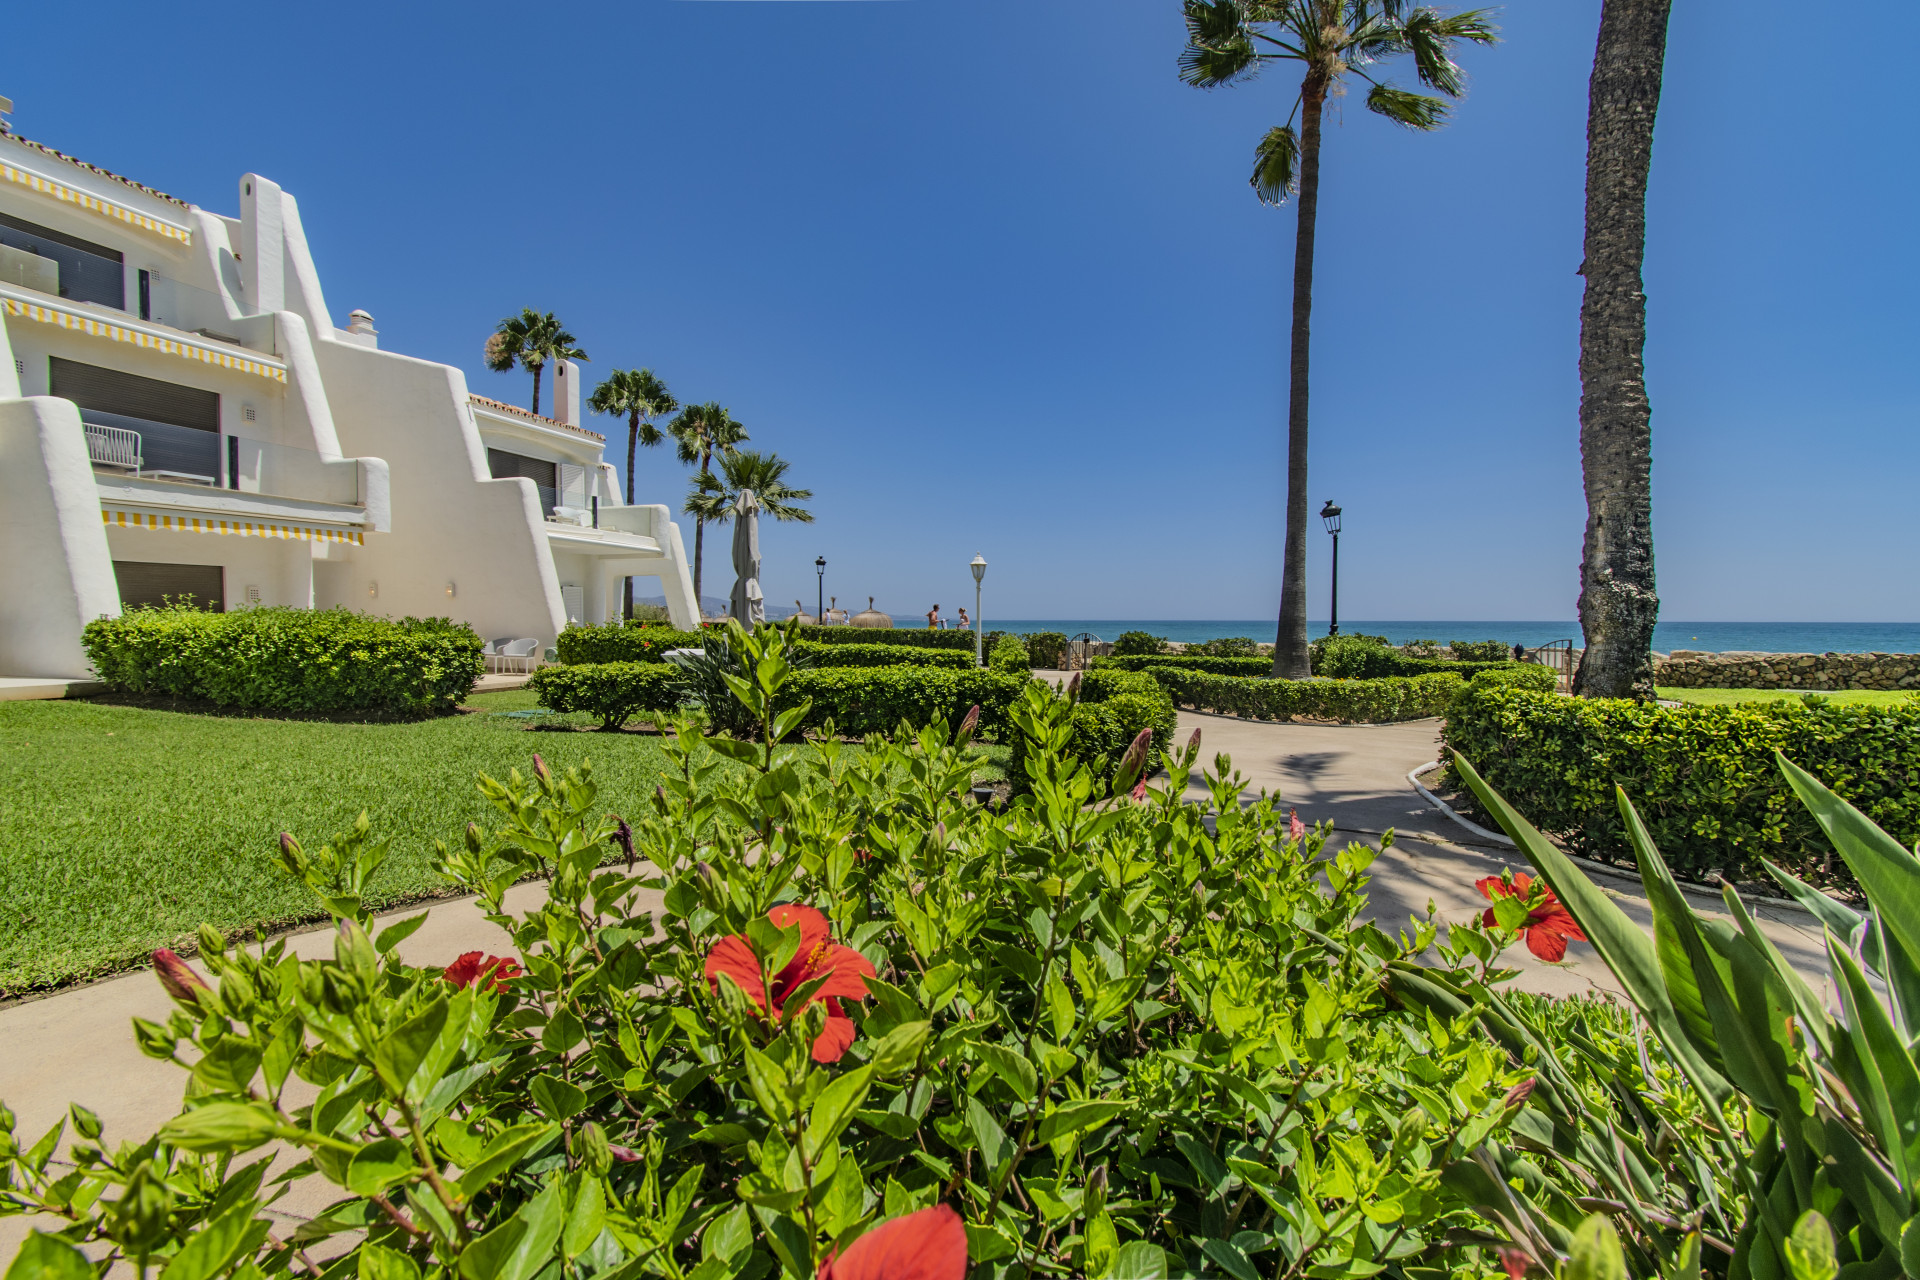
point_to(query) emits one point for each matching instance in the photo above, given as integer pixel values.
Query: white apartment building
(179, 415)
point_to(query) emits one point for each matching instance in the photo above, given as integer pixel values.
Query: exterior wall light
(449, 591)
(373, 591)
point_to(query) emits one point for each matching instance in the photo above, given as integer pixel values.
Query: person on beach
(933, 618)
(1520, 653)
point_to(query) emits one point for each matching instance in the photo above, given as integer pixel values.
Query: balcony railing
(196, 310)
(163, 451)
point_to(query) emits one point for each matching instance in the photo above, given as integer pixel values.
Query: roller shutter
(144, 582)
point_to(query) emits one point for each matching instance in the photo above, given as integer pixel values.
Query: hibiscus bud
(1518, 1095)
(1140, 791)
(1134, 761)
(706, 873)
(625, 1155)
(475, 837)
(967, 726)
(540, 770)
(178, 977)
(1295, 828)
(1073, 688)
(1193, 743)
(623, 836)
(291, 856)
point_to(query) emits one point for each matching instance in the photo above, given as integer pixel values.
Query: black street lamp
(820, 568)
(1331, 514)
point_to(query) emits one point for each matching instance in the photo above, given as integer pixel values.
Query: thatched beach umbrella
(749, 605)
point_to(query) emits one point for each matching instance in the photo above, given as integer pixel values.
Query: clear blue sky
(992, 279)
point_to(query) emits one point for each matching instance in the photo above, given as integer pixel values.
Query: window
(544, 474)
(144, 582)
(89, 272)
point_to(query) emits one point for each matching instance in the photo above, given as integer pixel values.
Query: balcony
(138, 449)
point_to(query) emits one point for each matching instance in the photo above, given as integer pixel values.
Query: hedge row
(1346, 701)
(282, 659)
(613, 692)
(614, 642)
(1703, 778)
(862, 701)
(924, 638)
(1189, 662)
(1361, 657)
(880, 655)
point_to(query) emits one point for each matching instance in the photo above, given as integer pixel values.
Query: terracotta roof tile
(542, 419)
(94, 168)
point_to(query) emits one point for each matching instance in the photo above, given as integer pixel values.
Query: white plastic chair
(520, 656)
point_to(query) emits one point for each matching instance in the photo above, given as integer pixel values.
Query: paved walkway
(78, 1044)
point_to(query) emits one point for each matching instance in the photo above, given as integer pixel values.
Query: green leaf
(834, 1109)
(1595, 1252)
(1910, 1248)
(397, 1054)
(559, 1101)
(1890, 1101)
(900, 1048)
(380, 1263)
(221, 1126)
(1138, 1261)
(729, 1237)
(396, 933)
(1231, 1257)
(1077, 1117)
(1809, 1249)
(1887, 872)
(586, 1221)
(739, 752)
(532, 1248)
(378, 1166)
(787, 721)
(45, 1257)
(768, 1084)
(228, 1066)
(995, 1147)
(502, 1154)
(1012, 1067)
(208, 1251)
(1214, 1176)
(894, 1124)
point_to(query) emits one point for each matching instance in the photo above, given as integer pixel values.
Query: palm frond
(1429, 35)
(1219, 46)
(1402, 106)
(1276, 165)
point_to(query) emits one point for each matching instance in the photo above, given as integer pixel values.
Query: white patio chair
(520, 656)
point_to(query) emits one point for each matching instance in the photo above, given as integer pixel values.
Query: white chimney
(263, 245)
(360, 324)
(566, 392)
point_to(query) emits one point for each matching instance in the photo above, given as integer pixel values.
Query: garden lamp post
(820, 600)
(1331, 514)
(979, 567)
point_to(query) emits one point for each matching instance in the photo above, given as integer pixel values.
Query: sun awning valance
(96, 204)
(119, 519)
(140, 337)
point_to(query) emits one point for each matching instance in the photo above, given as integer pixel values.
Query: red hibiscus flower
(1295, 828)
(846, 972)
(928, 1245)
(473, 967)
(1549, 924)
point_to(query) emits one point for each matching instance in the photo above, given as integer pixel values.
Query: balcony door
(179, 426)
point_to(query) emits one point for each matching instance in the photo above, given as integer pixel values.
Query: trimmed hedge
(883, 655)
(1520, 675)
(1255, 666)
(1703, 778)
(284, 659)
(869, 700)
(1114, 706)
(613, 642)
(1010, 655)
(612, 691)
(1374, 662)
(924, 638)
(1346, 701)
(1138, 644)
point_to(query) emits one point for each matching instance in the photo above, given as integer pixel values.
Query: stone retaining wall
(1691, 669)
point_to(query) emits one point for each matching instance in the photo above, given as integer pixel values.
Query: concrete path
(78, 1045)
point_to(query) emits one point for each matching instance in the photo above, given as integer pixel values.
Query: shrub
(1190, 662)
(1226, 647)
(292, 660)
(1347, 701)
(1519, 675)
(1010, 655)
(1479, 650)
(923, 638)
(1048, 649)
(860, 701)
(1371, 658)
(813, 999)
(1702, 777)
(612, 691)
(881, 655)
(1111, 709)
(1317, 648)
(614, 642)
(1138, 642)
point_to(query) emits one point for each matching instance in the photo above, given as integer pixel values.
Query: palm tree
(529, 340)
(641, 396)
(698, 431)
(1232, 40)
(1618, 607)
(712, 497)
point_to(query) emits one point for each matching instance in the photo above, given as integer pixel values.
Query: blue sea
(1713, 637)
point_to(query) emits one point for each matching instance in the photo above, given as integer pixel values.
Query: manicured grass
(1725, 697)
(123, 829)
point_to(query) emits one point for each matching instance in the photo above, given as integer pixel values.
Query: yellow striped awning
(140, 338)
(118, 519)
(96, 204)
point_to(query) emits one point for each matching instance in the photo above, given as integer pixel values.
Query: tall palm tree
(1232, 40)
(530, 340)
(712, 497)
(698, 432)
(641, 396)
(1618, 606)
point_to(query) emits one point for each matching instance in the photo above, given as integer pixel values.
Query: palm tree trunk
(633, 442)
(699, 538)
(536, 390)
(1618, 606)
(1290, 660)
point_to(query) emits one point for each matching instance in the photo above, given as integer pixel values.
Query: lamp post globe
(820, 569)
(979, 567)
(1330, 515)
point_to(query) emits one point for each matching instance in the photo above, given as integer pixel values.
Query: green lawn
(1725, 697)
